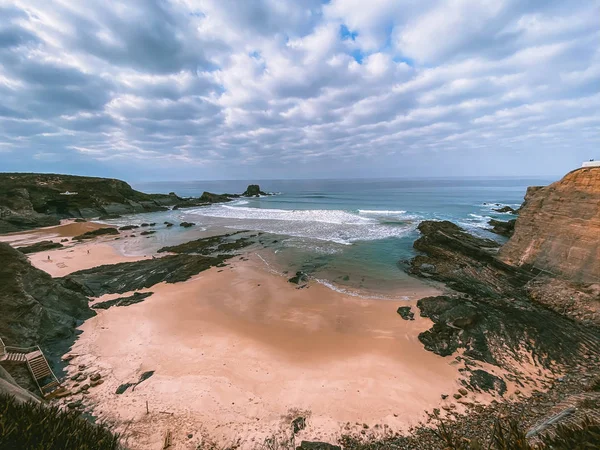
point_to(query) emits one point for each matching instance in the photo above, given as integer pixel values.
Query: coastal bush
(30, 426)
(507, 434)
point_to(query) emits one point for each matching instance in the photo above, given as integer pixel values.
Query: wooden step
(48, 388)
(14, 357)
(39, 367)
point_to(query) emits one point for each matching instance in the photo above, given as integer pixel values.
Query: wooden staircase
(37, 364)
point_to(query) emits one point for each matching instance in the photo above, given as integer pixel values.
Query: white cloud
(273, 87)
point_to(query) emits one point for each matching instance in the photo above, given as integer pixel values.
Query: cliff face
(34, 307)
(34, 200)
(558, 229)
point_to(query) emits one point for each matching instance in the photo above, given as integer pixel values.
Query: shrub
(31, 426)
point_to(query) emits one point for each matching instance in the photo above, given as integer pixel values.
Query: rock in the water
(558, 228)
(505, 210)
(502, 228)
(210, 245)
(253, 190)
(137, 297)
(146, 233)
(406, 313)
(35, 308)
(187, 224)
(300, 277)
(128, 227)
(168, 224)
(40, 247)
(95, 233)
(209, 197)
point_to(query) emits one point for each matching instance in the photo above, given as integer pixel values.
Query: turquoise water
(353, 233)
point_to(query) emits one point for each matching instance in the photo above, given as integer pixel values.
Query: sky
(277, 89)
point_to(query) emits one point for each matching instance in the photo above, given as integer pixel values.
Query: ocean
(352, 235)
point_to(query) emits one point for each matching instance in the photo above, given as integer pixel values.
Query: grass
(30, 426)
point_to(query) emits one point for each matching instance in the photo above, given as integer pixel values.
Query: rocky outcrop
(40, 247)
(211, 245)
(578, 301)
(502, 228)
(493, 319)
(558, 229)
(106, 231)
(253, 190)
(35, 308)
(34, 200)
(131, 276)
(137, 297)
(464, 262)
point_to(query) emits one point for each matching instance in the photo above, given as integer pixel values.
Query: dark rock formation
(35, 308)
(128, 227)
(30, 200)
(143, 377)
(109, 217)
(406, 313)
(464, 262)
(315, 445)
(193, 203)
(137, 297)
(40, 247)
(95, 233)
(559, 227)
(209, 197)
(503, 228)
(578, 301)
(210, 245)
(35, 200)
(132, 276)
(146, 233)
(187, 224)
(485, 381)
(497, 320)
(506, 209)
(168, 224)
(253, 190)
(300, 277)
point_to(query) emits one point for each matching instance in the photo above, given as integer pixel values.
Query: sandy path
(238, 351)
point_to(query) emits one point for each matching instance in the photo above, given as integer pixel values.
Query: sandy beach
(74, 255)
(239, 352)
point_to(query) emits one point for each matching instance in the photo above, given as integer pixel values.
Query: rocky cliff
(30, 200)
(558, 229)
(34, 307)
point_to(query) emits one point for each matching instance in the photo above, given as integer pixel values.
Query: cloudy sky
(242, 89)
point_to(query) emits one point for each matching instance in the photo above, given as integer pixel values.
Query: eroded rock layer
(558, 229)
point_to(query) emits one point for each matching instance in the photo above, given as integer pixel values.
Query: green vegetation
(30, 426)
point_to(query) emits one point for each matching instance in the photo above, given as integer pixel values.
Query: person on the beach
(88, 252)
(48, 257)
